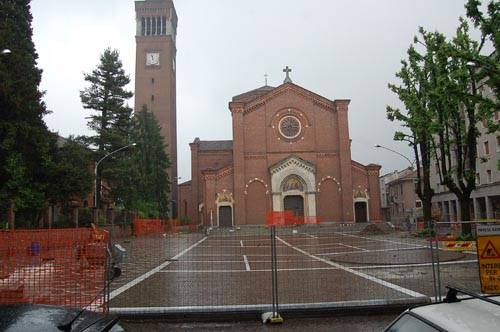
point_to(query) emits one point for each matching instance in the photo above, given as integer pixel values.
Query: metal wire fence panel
(180, 268)
(318, 266)
(464, 272)
(66, 267)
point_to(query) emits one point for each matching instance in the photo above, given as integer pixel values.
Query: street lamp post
(402, 155)
(95, 175)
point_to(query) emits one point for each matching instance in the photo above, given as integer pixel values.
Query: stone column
(374, 211)
(452, 210)
(489, 211)
(311, 204)
(277, 198)
(195, 182)
(238, 162)
(477, 213)
(345, 163)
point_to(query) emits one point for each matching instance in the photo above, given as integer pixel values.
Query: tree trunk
(75, 217)
(11, 215)
(427, 209)
(465, 213)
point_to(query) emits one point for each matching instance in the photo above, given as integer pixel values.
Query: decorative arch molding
(288, 168)
(225, 198)
(326, 178)
(361, 195)
(256, 180)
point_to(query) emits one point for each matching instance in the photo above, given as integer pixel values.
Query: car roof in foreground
(466, 315)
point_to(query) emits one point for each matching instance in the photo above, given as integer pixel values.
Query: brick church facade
(290, 151)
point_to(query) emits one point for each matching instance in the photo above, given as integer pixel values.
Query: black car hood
(32, 317)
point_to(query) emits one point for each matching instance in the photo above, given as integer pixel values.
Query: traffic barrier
(288, 218)
(67, 267)
(148, 227)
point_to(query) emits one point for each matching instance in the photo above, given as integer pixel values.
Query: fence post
(274, 317)
(431, 244)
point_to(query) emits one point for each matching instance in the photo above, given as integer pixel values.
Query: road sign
(488, 251)
(485, 230)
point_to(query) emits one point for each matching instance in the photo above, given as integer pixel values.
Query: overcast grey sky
(336, 48)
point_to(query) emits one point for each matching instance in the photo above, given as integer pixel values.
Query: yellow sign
(459, 245)
(488, 252)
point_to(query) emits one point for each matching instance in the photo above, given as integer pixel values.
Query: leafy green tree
(417, 119)
(71, 172)
(24, 137)
(459, 107)
(111, 122)
(151, 183)
(488, 66)
(440, 90)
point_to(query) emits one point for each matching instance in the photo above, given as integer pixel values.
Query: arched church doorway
(225, 216)
(360, 211)
(294, 203)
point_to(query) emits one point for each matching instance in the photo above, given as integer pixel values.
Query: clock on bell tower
(155, 84)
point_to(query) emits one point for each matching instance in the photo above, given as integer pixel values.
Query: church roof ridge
(252, 94)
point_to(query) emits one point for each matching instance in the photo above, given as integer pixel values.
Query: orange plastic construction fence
(288, 218)
(67, 267)
(148, 227)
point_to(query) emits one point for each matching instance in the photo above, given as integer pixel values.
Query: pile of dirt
(373, 229)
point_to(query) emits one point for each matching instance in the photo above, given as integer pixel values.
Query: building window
(498, 143)
(486, 147)
(152, 80)
(478, 179)
(488, 175)
(418, 204)
(143, 26)
(164, 25)
(152, 97)
(158, 25)
(153, 25)
(148, 26)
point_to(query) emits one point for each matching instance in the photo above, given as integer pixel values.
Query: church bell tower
(155, 84)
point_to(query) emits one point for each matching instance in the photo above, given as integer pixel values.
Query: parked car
(475, 313)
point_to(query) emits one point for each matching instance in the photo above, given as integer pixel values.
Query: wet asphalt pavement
(341, 323)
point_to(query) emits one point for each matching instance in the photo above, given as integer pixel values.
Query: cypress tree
(24, 137)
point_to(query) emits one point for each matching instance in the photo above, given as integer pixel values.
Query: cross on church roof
(265, 77)
(287, 78)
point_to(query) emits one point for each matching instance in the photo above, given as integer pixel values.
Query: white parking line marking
(241, 243)
(247, 264)
(148, 274)
(396, 266)
(239, 271)
(357, 273)
(368, 251)
(370, 238)
(354, 247)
